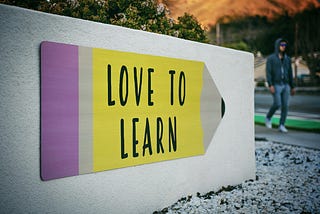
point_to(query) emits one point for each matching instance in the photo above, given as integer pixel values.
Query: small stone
(287, 181)
(237, 206)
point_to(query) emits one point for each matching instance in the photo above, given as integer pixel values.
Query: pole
(296, 54)
(218, 33)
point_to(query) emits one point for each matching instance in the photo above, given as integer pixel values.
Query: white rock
(288, 183)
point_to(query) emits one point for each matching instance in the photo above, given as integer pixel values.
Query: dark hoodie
(275, 65)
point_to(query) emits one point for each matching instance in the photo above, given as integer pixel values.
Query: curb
(299, 90)
(291, 122)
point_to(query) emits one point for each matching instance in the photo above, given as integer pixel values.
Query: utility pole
(218, 33)
(296, 53)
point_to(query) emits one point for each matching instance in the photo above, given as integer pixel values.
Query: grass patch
(292, 123)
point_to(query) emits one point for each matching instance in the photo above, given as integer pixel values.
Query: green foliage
(149, 16)
(93, 10)
(238, 46)
(189, 28)
(144, 15)
(308, 33)
(259, 34)
(31, 4)
(282, 27)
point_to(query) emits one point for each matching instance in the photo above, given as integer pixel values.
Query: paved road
(293, 137)
(307, 106)
(302, 106)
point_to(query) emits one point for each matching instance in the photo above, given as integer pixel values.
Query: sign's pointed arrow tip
(212, 107)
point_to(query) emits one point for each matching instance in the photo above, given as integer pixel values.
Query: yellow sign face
(145, 109)
(104, 109)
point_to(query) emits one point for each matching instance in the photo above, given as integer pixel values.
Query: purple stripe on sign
(59, 110)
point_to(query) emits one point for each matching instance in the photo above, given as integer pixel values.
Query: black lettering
(159, 135)
(134, 137)
(110, 101)
(172, 72)
(147, 138)
(172, 135)
(150, 91)
(123, 154)
(136, 86)
(182, 79)
(122, 72)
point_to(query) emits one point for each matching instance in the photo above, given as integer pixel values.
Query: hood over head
(277, 44)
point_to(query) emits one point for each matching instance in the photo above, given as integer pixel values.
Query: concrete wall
(229, 159)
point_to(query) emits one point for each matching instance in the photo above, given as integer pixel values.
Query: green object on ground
(292, 123)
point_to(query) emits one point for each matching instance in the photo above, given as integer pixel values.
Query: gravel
(287, 181)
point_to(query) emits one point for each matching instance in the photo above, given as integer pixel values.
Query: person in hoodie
(280, 81)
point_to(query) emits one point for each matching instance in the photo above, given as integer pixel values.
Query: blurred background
(244, 25)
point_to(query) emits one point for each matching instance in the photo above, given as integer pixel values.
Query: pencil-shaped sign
(105, 109)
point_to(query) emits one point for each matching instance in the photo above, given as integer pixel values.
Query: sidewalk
(302, 90)
(301, 132)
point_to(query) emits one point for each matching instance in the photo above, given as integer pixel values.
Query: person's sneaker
(268, 123)
(283, 129)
